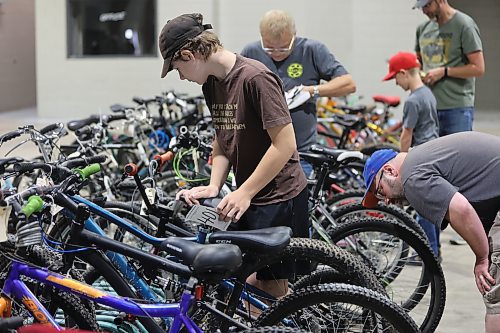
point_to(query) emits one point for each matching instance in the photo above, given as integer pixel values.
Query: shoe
(417, 261)
(414, 261)
(457, 241)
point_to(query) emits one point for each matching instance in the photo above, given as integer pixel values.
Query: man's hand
(191, 196)
(484, 280)
(434, 75)
(234, 205)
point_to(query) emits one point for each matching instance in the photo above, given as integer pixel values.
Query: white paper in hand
(296, 97)
(207, 216)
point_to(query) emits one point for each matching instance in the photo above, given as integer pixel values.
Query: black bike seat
(267, 240)
(349, 120)
(211, 259)
(316, 159)
(77, 124)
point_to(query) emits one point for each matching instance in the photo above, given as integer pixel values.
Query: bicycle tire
(370, 149)
(77, 312)
(430, 275)
(355, 209)
(321, 253)
(294, 308)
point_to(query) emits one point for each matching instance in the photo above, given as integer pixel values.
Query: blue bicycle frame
(121, 262)
(15, 287)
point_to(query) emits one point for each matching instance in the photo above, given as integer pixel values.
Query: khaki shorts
(492, 297)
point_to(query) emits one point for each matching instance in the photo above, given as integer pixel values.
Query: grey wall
(17, 54)
(486, 13)
(362, 34)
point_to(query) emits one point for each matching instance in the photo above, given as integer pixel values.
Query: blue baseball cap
(372, 166)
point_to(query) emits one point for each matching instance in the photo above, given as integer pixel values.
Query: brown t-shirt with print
(247, 102)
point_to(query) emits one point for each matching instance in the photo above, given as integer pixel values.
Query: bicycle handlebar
(84, 161)
(34, 205)
(50, 127)
(164, 158)
(88, 171)
(10, 135)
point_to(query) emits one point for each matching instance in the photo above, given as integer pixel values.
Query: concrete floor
(464, 311)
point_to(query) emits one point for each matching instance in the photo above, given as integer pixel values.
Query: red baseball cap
(399, 61)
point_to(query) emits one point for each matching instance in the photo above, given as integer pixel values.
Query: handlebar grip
(76, 162)
(88, 171)
(112, 117)
(49, 128)
(97, 159)
(34, 205)
(164, 158)
(28, 167)
(83, 131)
(131, 169)
(11, 135)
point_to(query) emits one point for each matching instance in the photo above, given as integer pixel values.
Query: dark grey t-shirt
(466, 162)
(419, 113)
(309, 62)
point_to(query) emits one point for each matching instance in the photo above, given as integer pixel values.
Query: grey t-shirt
(448, 45)
(309, 62)
(419, 113)
(466, 162)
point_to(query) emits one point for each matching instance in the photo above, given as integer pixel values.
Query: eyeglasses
(377, 190)
(427, 5)
(277, 49)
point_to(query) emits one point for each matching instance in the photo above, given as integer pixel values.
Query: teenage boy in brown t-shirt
(254, 134)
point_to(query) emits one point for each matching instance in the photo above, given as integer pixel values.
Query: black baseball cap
(176, 33)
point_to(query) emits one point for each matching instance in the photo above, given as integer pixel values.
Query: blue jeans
(307, 167)
(432, 232)
(455, 120)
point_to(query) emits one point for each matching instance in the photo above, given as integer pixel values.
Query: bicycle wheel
(338, 308)
(315, 254)
(374, 240)
(356, 210)
(68, 310)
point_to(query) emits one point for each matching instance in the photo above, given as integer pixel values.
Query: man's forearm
(339, 86)
(464, 219)
(464, 72)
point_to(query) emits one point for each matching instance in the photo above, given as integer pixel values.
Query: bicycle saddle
(266, 240)
(205, 259)
(339, 155)
(389, 100)
(316, 159)
(73, 125)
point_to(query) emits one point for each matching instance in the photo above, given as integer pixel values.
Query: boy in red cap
(420, 120)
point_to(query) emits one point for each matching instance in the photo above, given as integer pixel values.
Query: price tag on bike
(207, 216)
(4, 221)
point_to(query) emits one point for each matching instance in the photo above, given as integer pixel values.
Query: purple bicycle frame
(16, 288)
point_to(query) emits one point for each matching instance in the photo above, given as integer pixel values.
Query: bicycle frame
(15, 287)
(122, 263)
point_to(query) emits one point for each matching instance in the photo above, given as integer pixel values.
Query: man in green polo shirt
(449, 48)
